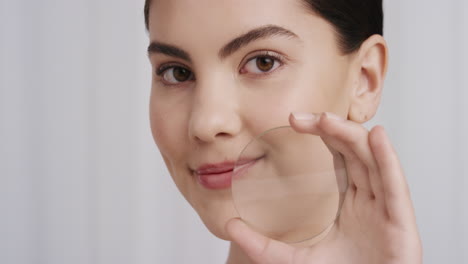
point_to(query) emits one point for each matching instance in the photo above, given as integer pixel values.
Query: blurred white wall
(81, 180)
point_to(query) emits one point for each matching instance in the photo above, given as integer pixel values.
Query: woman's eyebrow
(169, 50)
(254, 34)
(228, 49)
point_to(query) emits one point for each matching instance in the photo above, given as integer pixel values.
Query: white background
(81, 180)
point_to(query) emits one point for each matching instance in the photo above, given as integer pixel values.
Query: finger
(350, 139)
(353, 139)
(340, 170)
(260, 249)
(395, 188)
(307, 123)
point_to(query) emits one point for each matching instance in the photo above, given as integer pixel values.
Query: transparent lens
(288, 185)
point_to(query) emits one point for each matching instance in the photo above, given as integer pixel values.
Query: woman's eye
(261, 64)
(176, 74)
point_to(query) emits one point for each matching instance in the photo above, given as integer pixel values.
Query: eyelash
(262, 54)
(162, 69)
(266, 54)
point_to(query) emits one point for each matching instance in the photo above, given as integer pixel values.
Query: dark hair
(354, 20)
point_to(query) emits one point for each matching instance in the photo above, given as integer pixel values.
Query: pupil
(181, 74)
(265, 63)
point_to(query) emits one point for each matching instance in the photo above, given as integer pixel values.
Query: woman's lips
(219, 175)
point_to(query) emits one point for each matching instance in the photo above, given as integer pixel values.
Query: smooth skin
(225, 101)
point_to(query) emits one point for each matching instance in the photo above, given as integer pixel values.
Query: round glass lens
(289, 186)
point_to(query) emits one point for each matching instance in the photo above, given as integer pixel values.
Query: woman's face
(225, 71)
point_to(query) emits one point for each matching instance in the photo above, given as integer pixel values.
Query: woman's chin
(216, 220)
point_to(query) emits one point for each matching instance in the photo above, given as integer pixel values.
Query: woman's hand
(377, 223)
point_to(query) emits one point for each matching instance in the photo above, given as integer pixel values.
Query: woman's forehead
(210, 24)
(169, 19)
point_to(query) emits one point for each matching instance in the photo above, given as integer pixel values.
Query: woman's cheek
(169, 138)
(164, 128)
(160, 134)
(269, 101)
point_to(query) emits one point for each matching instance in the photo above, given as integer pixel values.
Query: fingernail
(304, 116)
(333, 116)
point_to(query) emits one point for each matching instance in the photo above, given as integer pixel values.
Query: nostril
(212, 124)
(223, 134)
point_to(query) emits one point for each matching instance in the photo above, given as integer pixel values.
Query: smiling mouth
(219, 176)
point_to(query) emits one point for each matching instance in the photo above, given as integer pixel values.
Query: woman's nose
(214, 115)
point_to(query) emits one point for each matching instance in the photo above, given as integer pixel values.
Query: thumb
(259, 248)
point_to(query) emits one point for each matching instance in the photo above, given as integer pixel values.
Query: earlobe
(370, 71)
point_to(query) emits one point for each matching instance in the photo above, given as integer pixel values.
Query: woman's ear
(369, 73)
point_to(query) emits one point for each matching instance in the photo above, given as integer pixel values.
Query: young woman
(226, 70)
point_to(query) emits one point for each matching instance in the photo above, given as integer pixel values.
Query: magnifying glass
(288, 185)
